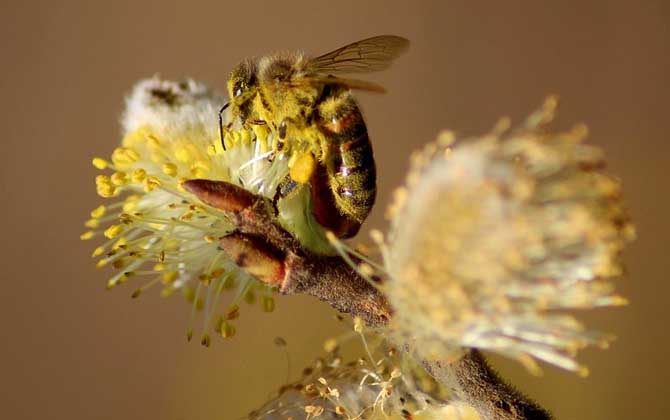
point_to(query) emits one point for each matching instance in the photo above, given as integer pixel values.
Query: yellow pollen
(113, 231)
(268, 304)
(121, 263)
(153, 141)
(228, 140)
(119, 178)
(250, 297)
(159, 267)
(330, 345)
(87, 235)
(139, 175)
(377, 236)
(170, 169)
(233, 312)
(218, 148)
(301, 167)
(121, 243)
(618, 301)
(156, 157)
(92, 223)
(583, 371)
(102, 180)
(237, 137)
(106, 191)
(100, 163)
(135, 137)
(101, 264)
(358, 325)
(129, 206)
(98, 252)
(261, 132)
(209, 238)
(199, 169)
(104, 186)
(98, 212)
(182, 154)
(186, 216)
(227, 330)
(169, 277)
(245, 137)
(124, 156)
(151, 183)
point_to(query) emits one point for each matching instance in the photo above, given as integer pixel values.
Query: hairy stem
(472, 380)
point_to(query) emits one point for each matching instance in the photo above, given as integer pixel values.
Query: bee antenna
(223, 108)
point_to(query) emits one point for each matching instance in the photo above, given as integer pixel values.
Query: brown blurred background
(71, 350)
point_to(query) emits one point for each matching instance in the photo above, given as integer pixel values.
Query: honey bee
(317, 123)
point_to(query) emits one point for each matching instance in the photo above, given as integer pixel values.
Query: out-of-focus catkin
(493, 239)
(389, 387)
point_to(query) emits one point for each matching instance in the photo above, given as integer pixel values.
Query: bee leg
(284, 189)
(223, 108)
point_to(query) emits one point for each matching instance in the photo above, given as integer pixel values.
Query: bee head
(242, 86)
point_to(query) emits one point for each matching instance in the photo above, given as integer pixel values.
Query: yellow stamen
(182, 154)
(122, 242)
(237, 137)
(180, 185)
(245, 137)
(129, 206)
(200, 169)
(98, 251)
(104, 186)
(100, 163)
(139, 175)
(87, 235)
(135, 137)
(268, 304)
(170, 169)
(151, 183)
(227, 330)
(106, 191)
(98, 212)
(218, 148)
(153, 142)
(250, 297)
(119, 178)
(233, 312)
(261, 132)
(124, 156)
(228, 140)
(169, 277)
(92, 223)
(113, 231)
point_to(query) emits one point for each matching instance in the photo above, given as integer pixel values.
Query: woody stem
(275, 257)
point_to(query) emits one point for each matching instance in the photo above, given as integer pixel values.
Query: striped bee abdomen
(349, 160)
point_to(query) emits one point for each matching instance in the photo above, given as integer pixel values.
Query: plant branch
(274, 256)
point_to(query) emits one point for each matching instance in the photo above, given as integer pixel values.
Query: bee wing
(366, 56)
(332, 80)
